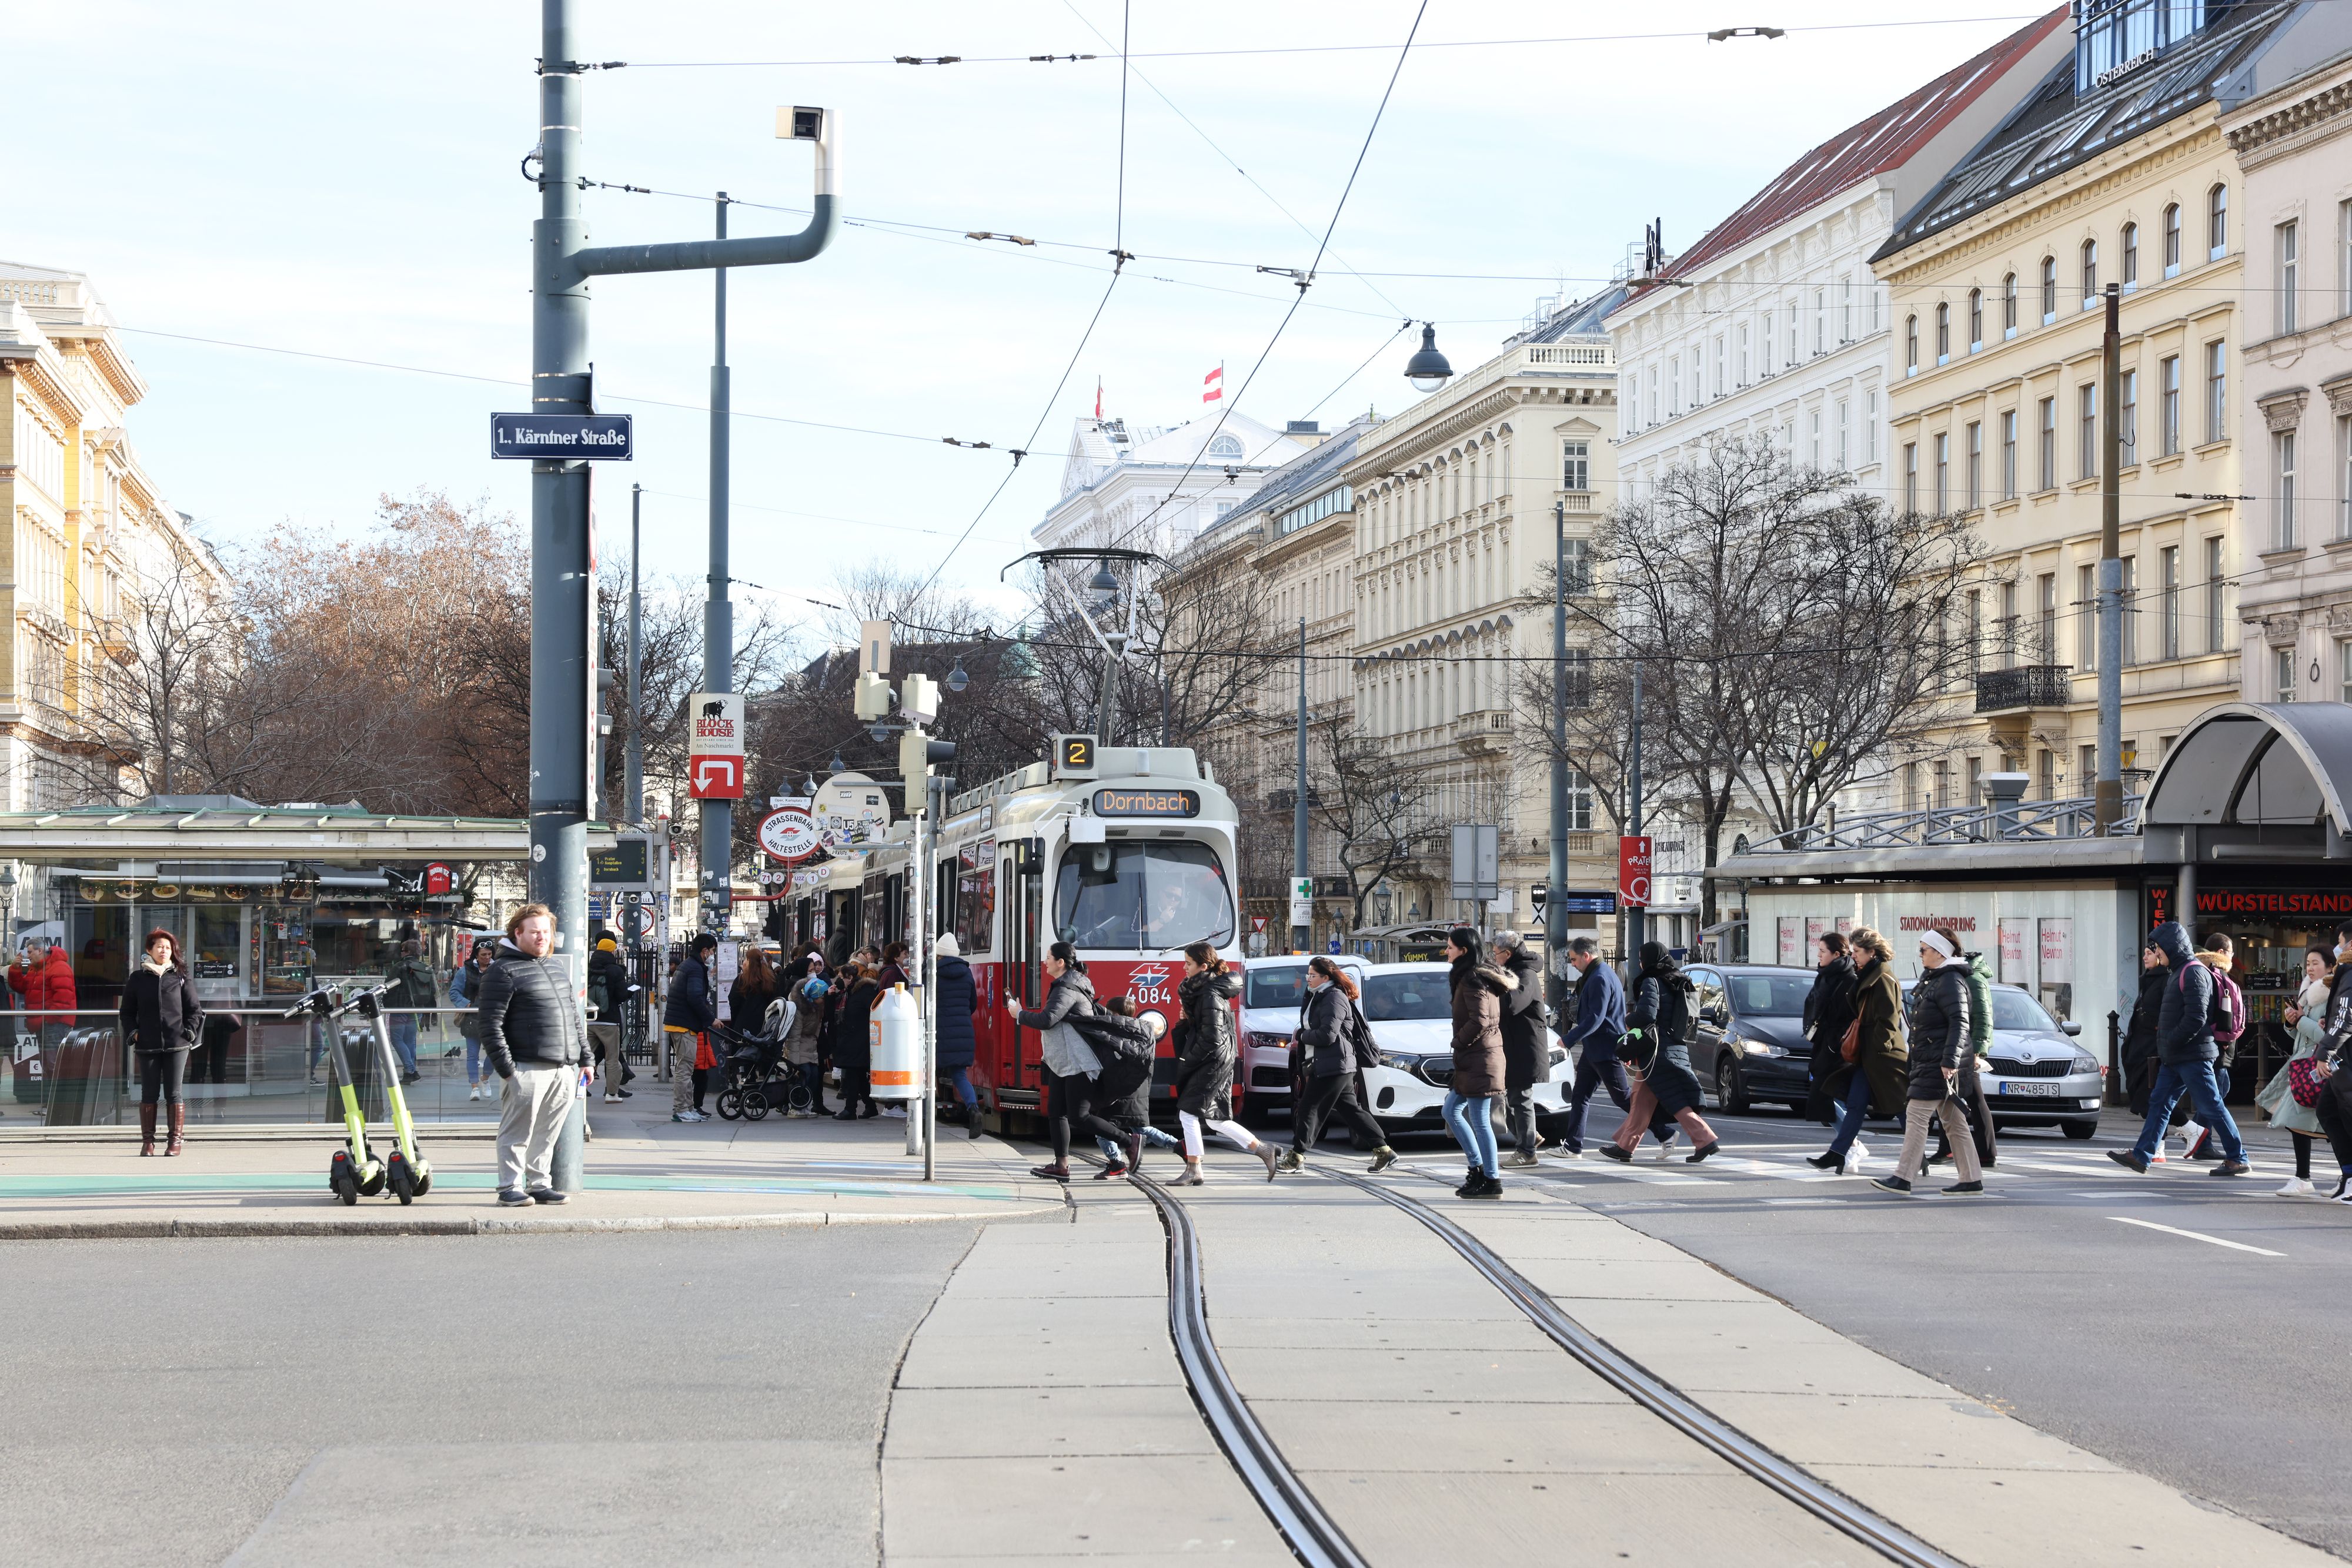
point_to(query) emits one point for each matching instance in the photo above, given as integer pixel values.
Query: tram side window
(1142, 896)
(975, 896)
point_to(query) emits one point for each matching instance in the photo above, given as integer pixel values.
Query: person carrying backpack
(2227, 1017)
(1660, 1025)
(2185, 1054)
(1332, 1030)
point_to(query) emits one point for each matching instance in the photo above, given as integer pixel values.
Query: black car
(1752, 1042)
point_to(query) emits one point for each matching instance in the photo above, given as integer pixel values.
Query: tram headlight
(1153, 1019)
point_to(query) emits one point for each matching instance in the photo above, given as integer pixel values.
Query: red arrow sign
(718, 779)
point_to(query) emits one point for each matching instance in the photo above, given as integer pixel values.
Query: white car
(1410, 1010)
(1272, 990)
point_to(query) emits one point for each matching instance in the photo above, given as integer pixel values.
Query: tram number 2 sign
(1073, 756)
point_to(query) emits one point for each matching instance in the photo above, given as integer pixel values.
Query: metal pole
(560, 582)
(1555, 903)
(918, 878)
(718, 613)
(1300, 936)
(2107, 794)
(935, 801)
(1633, 919)
(633, 784)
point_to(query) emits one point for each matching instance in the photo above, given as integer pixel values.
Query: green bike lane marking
(99, 1185)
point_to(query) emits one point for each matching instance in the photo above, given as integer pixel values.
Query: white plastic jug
(897, 1035)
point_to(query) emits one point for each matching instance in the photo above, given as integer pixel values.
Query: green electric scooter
(355, 1170)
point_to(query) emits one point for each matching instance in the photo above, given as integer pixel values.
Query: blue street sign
(560, 437)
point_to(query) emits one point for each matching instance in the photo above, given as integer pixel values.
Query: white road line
(2196, 1236)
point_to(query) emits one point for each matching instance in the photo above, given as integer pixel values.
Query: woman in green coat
(1878, 1079)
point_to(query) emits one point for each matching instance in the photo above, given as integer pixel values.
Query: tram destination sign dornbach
(1147, 803)
(560, 437)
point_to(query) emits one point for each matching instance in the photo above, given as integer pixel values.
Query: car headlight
(1401, 1060)
(1270, 1041)
(2083, 1063)
(1755, 1047)
(1558, 1055)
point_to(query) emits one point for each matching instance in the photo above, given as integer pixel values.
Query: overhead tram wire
(1226, 406)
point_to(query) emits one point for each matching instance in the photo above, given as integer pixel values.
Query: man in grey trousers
(536, 1038)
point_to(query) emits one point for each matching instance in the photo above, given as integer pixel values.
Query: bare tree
(1378, 813)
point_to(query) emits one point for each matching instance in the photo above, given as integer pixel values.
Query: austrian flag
(1215, 381)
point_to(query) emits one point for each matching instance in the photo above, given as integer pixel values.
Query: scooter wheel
(423, 1181)
(730, 1104)
(404, 1187)
(755, 1107)
(347, 1188)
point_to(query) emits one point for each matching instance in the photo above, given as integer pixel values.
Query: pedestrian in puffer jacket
(535, 1036)
(956, 1003)
(2185, 1053)
(1969, 1091)
(1527, 1043)
(1332, 1031)
(1205, 1053)
(1829, 1011)
(1940, 1043)
(1477, 991)
(1657, 1046)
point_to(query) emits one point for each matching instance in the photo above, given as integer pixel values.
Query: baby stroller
(756, 1080)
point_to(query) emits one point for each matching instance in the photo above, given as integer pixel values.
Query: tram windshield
(1148, 895)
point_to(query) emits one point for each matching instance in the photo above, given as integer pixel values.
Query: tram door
(1025, 953)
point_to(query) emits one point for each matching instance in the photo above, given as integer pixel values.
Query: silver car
(2037, 1076)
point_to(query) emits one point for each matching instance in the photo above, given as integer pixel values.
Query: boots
(179, 1125)
(146, 1129)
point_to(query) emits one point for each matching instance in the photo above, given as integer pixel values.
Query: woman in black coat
(1204, 1060)
(161, 1020)
(1829, 1013)
(1656, 1053)
(956, 1003)
(852, 1043)
(1331, 1029)
(1939, 1038)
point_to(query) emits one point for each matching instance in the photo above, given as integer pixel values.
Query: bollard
(2118, 1093)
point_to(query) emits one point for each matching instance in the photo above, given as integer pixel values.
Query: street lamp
(1104, 587)
(1427, 370)
(836, 765)
(957, 679)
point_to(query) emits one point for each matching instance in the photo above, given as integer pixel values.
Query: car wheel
(2079, 1130)
(1729, 1092)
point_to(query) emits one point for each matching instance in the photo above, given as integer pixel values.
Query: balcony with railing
(1482, 732)
(1998, 821)
(2025, 686)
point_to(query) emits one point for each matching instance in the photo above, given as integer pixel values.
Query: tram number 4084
(1148, 986)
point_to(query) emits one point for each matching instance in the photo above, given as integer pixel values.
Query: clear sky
(344, 181)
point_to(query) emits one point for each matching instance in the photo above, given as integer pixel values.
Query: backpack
(1360, 1031)
(1676, 1021)
(2225, 1010)
(600, 994)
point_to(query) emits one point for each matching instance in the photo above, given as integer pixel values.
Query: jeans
(2204, 1094)
(1472, 1123)
(1849, 1114)
(474, 1059)
(160, 1072)
(966, 1096)
(403, 1039)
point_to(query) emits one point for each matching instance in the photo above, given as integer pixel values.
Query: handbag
(1852, 1044)
(2304, 1081)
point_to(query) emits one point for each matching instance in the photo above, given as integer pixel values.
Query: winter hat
(607, 944)
(947, 947)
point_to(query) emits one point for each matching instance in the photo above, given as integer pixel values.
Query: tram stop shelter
(267, 902)
(2243, 829)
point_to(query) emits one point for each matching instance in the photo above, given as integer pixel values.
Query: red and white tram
(1129, 865)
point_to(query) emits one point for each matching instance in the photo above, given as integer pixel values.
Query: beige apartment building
(2107, 172)
(2294, 423)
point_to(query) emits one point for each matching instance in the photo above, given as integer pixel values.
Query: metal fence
(2000, 823)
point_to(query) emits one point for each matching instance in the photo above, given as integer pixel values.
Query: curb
(475, 1225)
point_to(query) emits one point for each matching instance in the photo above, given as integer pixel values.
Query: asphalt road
(712, 1398)
(2221, 1371)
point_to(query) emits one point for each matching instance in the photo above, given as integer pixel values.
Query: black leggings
(1071, 1104)
(161, 1069)
(2332, 1122)
(701, 1082)
(1328, 1096)
(2302, 1155)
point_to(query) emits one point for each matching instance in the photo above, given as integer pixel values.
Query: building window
(2046, 764)
(2009, 306)
(1976, 629)
(2128, 417)
(2049, 290)
(1820, 319)
(1845, 448)
(2217, 391)
(2344, 259)
(2217, 589)
(1943, 471)
(1943, 334)
(1846, 311)
(2049, 472)
(1813, 439)
(2131, 257)
(2282, 533)
(1794, 354)
(1870, 428)
(2281, 675)
(2008, 454)
(1634, 396)
(2009, 626)
(1910, 475)
(1743, 355)
(1576, 466)
(2169, 575)
(1767, 343)
(2217, 223)
(1976, 319)
(2046, 603)
(1674, 386)
(1974, 453)
(1338, 500)
(2344, 669)
(2087, 426)
(2090, 273)
(2168, 395)
(1576, 566)
(2089, 764)
(1910, 786)
(2288, 266)
(2173, 240)
(2086, 617)
(1911, 345)
(2344, 477)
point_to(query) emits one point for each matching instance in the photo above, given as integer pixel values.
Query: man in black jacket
(1527, 1044)
(535, 1038)
(2185, 1053)
(690, 1009)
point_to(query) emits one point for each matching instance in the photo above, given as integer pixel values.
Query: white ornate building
(1150, 487)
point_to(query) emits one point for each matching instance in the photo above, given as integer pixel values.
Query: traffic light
(918, 752)
(872, 697)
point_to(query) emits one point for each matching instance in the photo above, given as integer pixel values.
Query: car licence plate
(2028, 1087)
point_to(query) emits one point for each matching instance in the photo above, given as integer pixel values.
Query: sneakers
(1110, 1172)
(2130, 1159)
(1292, 1161)
(1521, 1159)
(512, 1198)
(1484, 1187)
(1561, 1151)
(1382, 1158)
(1893, 1184)
(2230, 1168)
(896, 1113)
(1665, 1151)
(548, 1195)
(688, 1114)
(1051, 1173)
(2297, 1187)
(1965, 1187)
(2343, 1186)
(473, 1092)
(1611, 1152)
(2192, 1133)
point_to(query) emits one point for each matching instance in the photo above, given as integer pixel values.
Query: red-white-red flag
(1098, 397)
(1213, 384)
